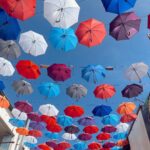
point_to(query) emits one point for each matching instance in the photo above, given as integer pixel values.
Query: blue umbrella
(111, 119)
(119, 136)
(64, 120)
(2, 86)
(118, 6)
(29, 145)
(16, 122)
(49, 89)
(101, 110)
(80, 146)
(51, 135)
(93, 73)
(9, 27)
(63, 39)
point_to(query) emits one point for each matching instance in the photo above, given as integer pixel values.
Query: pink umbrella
(84, 137)
(109, 145)
(34, 116)
(109, 129)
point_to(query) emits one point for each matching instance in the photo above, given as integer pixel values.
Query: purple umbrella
(72, 129)
(84, 137)
(132, 90)
(86, 121)
(34, 116)
(24, 106)
(124, 26)
(37, 125)
(52, 143)
(109, 129)
(109, 145)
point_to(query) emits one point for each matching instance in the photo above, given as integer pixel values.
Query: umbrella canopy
(34, 116)
(122, 127)
(20, 9)
(33, 43)
(64, 145)
(132, 90)
(126, 108)
(63, 39)
(29, 145)
(30, 139)
(17, 122)
(37, 125)
(128, 118)
(109, 129)
(35, 133)
(103, 136)
(74, 111)
(52, 135)
(49, 110)
(71, 129)
(18, 114)
(118, 6)
(76, 91)
(94, 146)
(22, 131)
(52, 143)
(48, 119)
(80, 145)
(119, 136)
(44, 147)
(125, 26)
(93, 73)
(84, 137)
(69, 137)
(7, 68)
(109, 145)
(101, 110)
(91, 32)
(54, 128)
(9, 49)
(59, 72)
(49, 89)
(28, 69)
(137, 71)
(22, 87)
(122, 143)
(86, 121)
(62, 13)
(4, 103)
(64, 120)
(10, 29)
(91, 129)
(2, 86)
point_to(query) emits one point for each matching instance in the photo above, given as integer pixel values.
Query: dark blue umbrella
(2, 86)
(101, 110)
(118, 6)
(9, 27)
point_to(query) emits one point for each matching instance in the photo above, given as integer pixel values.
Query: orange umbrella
(128, 118)
(122, 143)
(126, 108)
(22, 131)
(4, 103)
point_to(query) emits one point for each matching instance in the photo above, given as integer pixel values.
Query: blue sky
(119, 54)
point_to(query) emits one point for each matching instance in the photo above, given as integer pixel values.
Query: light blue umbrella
(64, 120)
(16, 122)
(117, 148)
(93, 73)
(80, 146)
(51, 135)
(49, 89)
(120, 136)
(29, 145)
(63, 39)
(110, 119)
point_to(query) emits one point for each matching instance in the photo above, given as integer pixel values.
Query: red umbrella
(35, 133)
(44, 147)
(91, 32)
(91, 129)
(48, 119)
(74, 111)
(94, 146)
(28, 69)
(19, 9)
(64, 145)
(128, 118)
(54, 128)
(104, 91)
(103, 136)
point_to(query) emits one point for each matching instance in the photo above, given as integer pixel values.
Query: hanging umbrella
(84, 137)
(64, 145)
(126, 108)
(59, 72)
(30, 139)
(37, 125)
(122, 127)
(80, 145)
(63, 39)
(93, 73)
(17, 122)
(132, 90)
(33, 43)
(22, 131)
(51, 135)
(9, 27)
(62, 13)
(76, 91)
(128, 118)
(125, 26)
(91, 32)
(50, 120)
(109, 145)
(22, 87)
(69, 137)
(64, 120)
(86, 121)
(104, 91)
(103, 136)
(74, 111)
(4, 103)
(2, 86)
(137, 71)
(18, 114)
(118, 6)
(29, 145)
(49, 89)
(101, 110)
(35, 133)
(122, 143)
(44, 147)
(119, 136)
(109, 129)
(49, 110)
(7, 68)
(34, 116)
(20, 10)
(94, 146)
(23, 106)
(52, 143)
(71, 129)
(110, 119)
(9, 49)
(54, 128)
(116, 148)
(92, 129)
(28, 69)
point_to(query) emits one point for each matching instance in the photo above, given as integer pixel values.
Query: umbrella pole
(44, 66)
(136, 99)
(7, 142)
(148, 74)
(137, 75)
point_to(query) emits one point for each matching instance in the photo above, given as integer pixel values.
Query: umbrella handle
(136, 99)
(44, 66)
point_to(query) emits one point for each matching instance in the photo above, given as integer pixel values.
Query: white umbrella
(33, 43)
(122, 127)
(30, 139)
(68, 136)
(6, 68)
(61, 13)
(137, 71)
(49, 110)
(18, 114)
